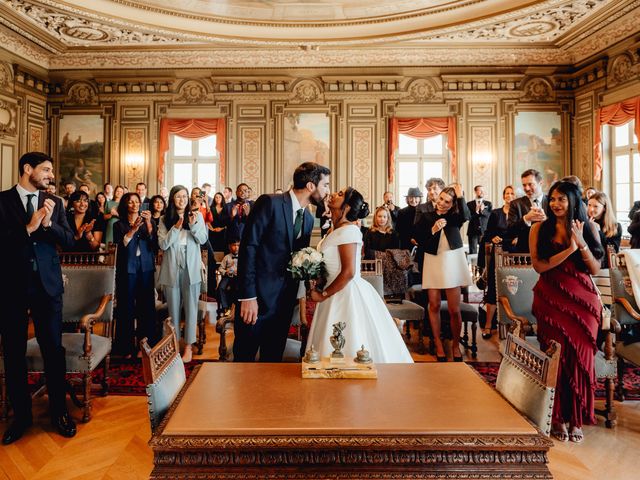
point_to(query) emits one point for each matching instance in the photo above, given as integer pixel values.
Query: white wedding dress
(358, 305)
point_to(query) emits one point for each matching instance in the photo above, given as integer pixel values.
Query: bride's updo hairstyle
(355, 200)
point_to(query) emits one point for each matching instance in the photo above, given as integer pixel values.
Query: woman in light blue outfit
(180, 234)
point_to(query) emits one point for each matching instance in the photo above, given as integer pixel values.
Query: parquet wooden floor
(113, 445)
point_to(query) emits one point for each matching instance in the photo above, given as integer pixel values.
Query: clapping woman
(134, 234)
(87, 229)
(180, 235)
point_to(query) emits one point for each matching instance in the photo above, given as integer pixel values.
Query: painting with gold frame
(81, 152)
(307, 138)
(538, 144)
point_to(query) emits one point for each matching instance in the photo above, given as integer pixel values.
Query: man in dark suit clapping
(33, 223)
(526, 210)
(480, 210)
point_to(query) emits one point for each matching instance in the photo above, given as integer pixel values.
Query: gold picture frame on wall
(306, 138)
(538, 143)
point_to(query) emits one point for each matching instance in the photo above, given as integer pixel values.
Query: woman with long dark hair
(565, 250)
(218, 228)
(445, 265)
(135, 235)
(157, 207)
(347, 297)
(111, 212)
(87, 228)
(180, 235)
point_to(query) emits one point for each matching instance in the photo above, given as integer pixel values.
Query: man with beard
(238, 211)
(434, 186)
(33, 224)
(526, 210)
(279, 225)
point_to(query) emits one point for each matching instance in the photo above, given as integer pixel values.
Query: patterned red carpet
(125, 378)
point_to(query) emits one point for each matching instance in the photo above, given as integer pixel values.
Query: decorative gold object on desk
(349, 369)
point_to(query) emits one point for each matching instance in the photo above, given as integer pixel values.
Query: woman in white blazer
(180, 233)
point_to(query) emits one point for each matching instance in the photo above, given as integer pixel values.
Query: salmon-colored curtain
(616, 115)
(422, 128)
(193, 129)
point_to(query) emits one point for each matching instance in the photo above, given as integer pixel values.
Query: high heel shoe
(441, 359)
(457, 359)
(486, 334)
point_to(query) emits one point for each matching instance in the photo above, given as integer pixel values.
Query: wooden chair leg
(620, 379)
(610, 415)
(474, 343)
(222, 349)
(105, 377)
(86, 406)
(421, 348)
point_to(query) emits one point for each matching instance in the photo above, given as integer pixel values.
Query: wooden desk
(425, 420)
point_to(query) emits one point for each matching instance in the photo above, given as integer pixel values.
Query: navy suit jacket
(517, 228)
(16, 245)
(127, 254)
(265, 252)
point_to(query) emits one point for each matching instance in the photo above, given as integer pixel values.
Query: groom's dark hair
(309, 172)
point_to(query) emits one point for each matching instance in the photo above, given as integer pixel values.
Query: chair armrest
(504, 301)
(222, 322)
(87, 321)
(627, 306)
(615, 326)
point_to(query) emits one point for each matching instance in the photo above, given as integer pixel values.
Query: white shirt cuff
(247, 299)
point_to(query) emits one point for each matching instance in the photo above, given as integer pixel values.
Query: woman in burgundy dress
(565, 250)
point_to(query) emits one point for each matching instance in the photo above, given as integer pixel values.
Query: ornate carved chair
(527, 378)
(626, 320)
(515, 279)
(163, 373)
(87, 314)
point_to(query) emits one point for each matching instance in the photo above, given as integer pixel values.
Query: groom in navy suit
(279, 224)
(33, 225)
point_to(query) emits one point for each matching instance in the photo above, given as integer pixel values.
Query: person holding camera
(198, 202)
(182, 231)
(387, 200)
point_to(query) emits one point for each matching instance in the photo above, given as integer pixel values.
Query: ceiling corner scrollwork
(422, 90)
(8, 119)
(623, 68)
(6, 78)
(82, 93)
(193, 92)
(307, 91)
(537, 90)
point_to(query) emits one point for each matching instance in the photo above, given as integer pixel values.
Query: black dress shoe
(441, 359)
(15, 431)
(64, 424)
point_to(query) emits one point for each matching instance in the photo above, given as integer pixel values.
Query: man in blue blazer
(279, 224)
(33, 223)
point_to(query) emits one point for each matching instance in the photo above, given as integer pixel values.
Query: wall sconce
(482, 161)
(134, 164)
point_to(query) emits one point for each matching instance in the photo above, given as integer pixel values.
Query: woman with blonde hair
(381, 236)
(600, 212)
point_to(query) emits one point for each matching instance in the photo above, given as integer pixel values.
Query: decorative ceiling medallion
(192, 92)
(421, 90)
(532, 29)
(307, 91)
(82, 93)
(537, 90)
(84, 33)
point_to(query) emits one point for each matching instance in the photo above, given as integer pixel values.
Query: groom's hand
(249, 311)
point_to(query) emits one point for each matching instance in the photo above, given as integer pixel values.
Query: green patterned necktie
(297, 226)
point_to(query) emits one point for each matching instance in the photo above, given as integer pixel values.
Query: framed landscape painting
(307, 138)
(81, 151)
(538, 144)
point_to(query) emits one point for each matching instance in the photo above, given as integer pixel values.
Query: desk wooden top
(241, 399)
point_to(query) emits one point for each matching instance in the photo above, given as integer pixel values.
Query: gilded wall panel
(584, 152)
(362, 160)
(134, 154)
(251, 157)
(482, 149)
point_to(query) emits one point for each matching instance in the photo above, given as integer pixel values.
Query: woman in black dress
(218, 228)
(87, 228)
(495, 234)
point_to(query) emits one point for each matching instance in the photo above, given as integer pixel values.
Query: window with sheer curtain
(417, 160)
(193, 162)
(625, 170)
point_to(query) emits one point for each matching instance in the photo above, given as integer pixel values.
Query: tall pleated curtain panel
(423, 128)
(193, 129)
(616, 115)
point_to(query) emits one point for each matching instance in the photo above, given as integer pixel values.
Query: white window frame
(194, 159)
(421, 158)
(629, 150)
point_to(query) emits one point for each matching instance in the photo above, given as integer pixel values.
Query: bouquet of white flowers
(307, 264)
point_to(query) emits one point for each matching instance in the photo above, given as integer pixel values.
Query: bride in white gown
(347, 297)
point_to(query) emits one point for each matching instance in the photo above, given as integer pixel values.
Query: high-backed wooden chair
(163, 373)
(87, 316)
(515, 279)
(527, 379)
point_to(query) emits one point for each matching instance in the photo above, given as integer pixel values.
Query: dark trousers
(46, 313)
(269, 334)
(227, 291)
(136, 311)
(473, 243)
